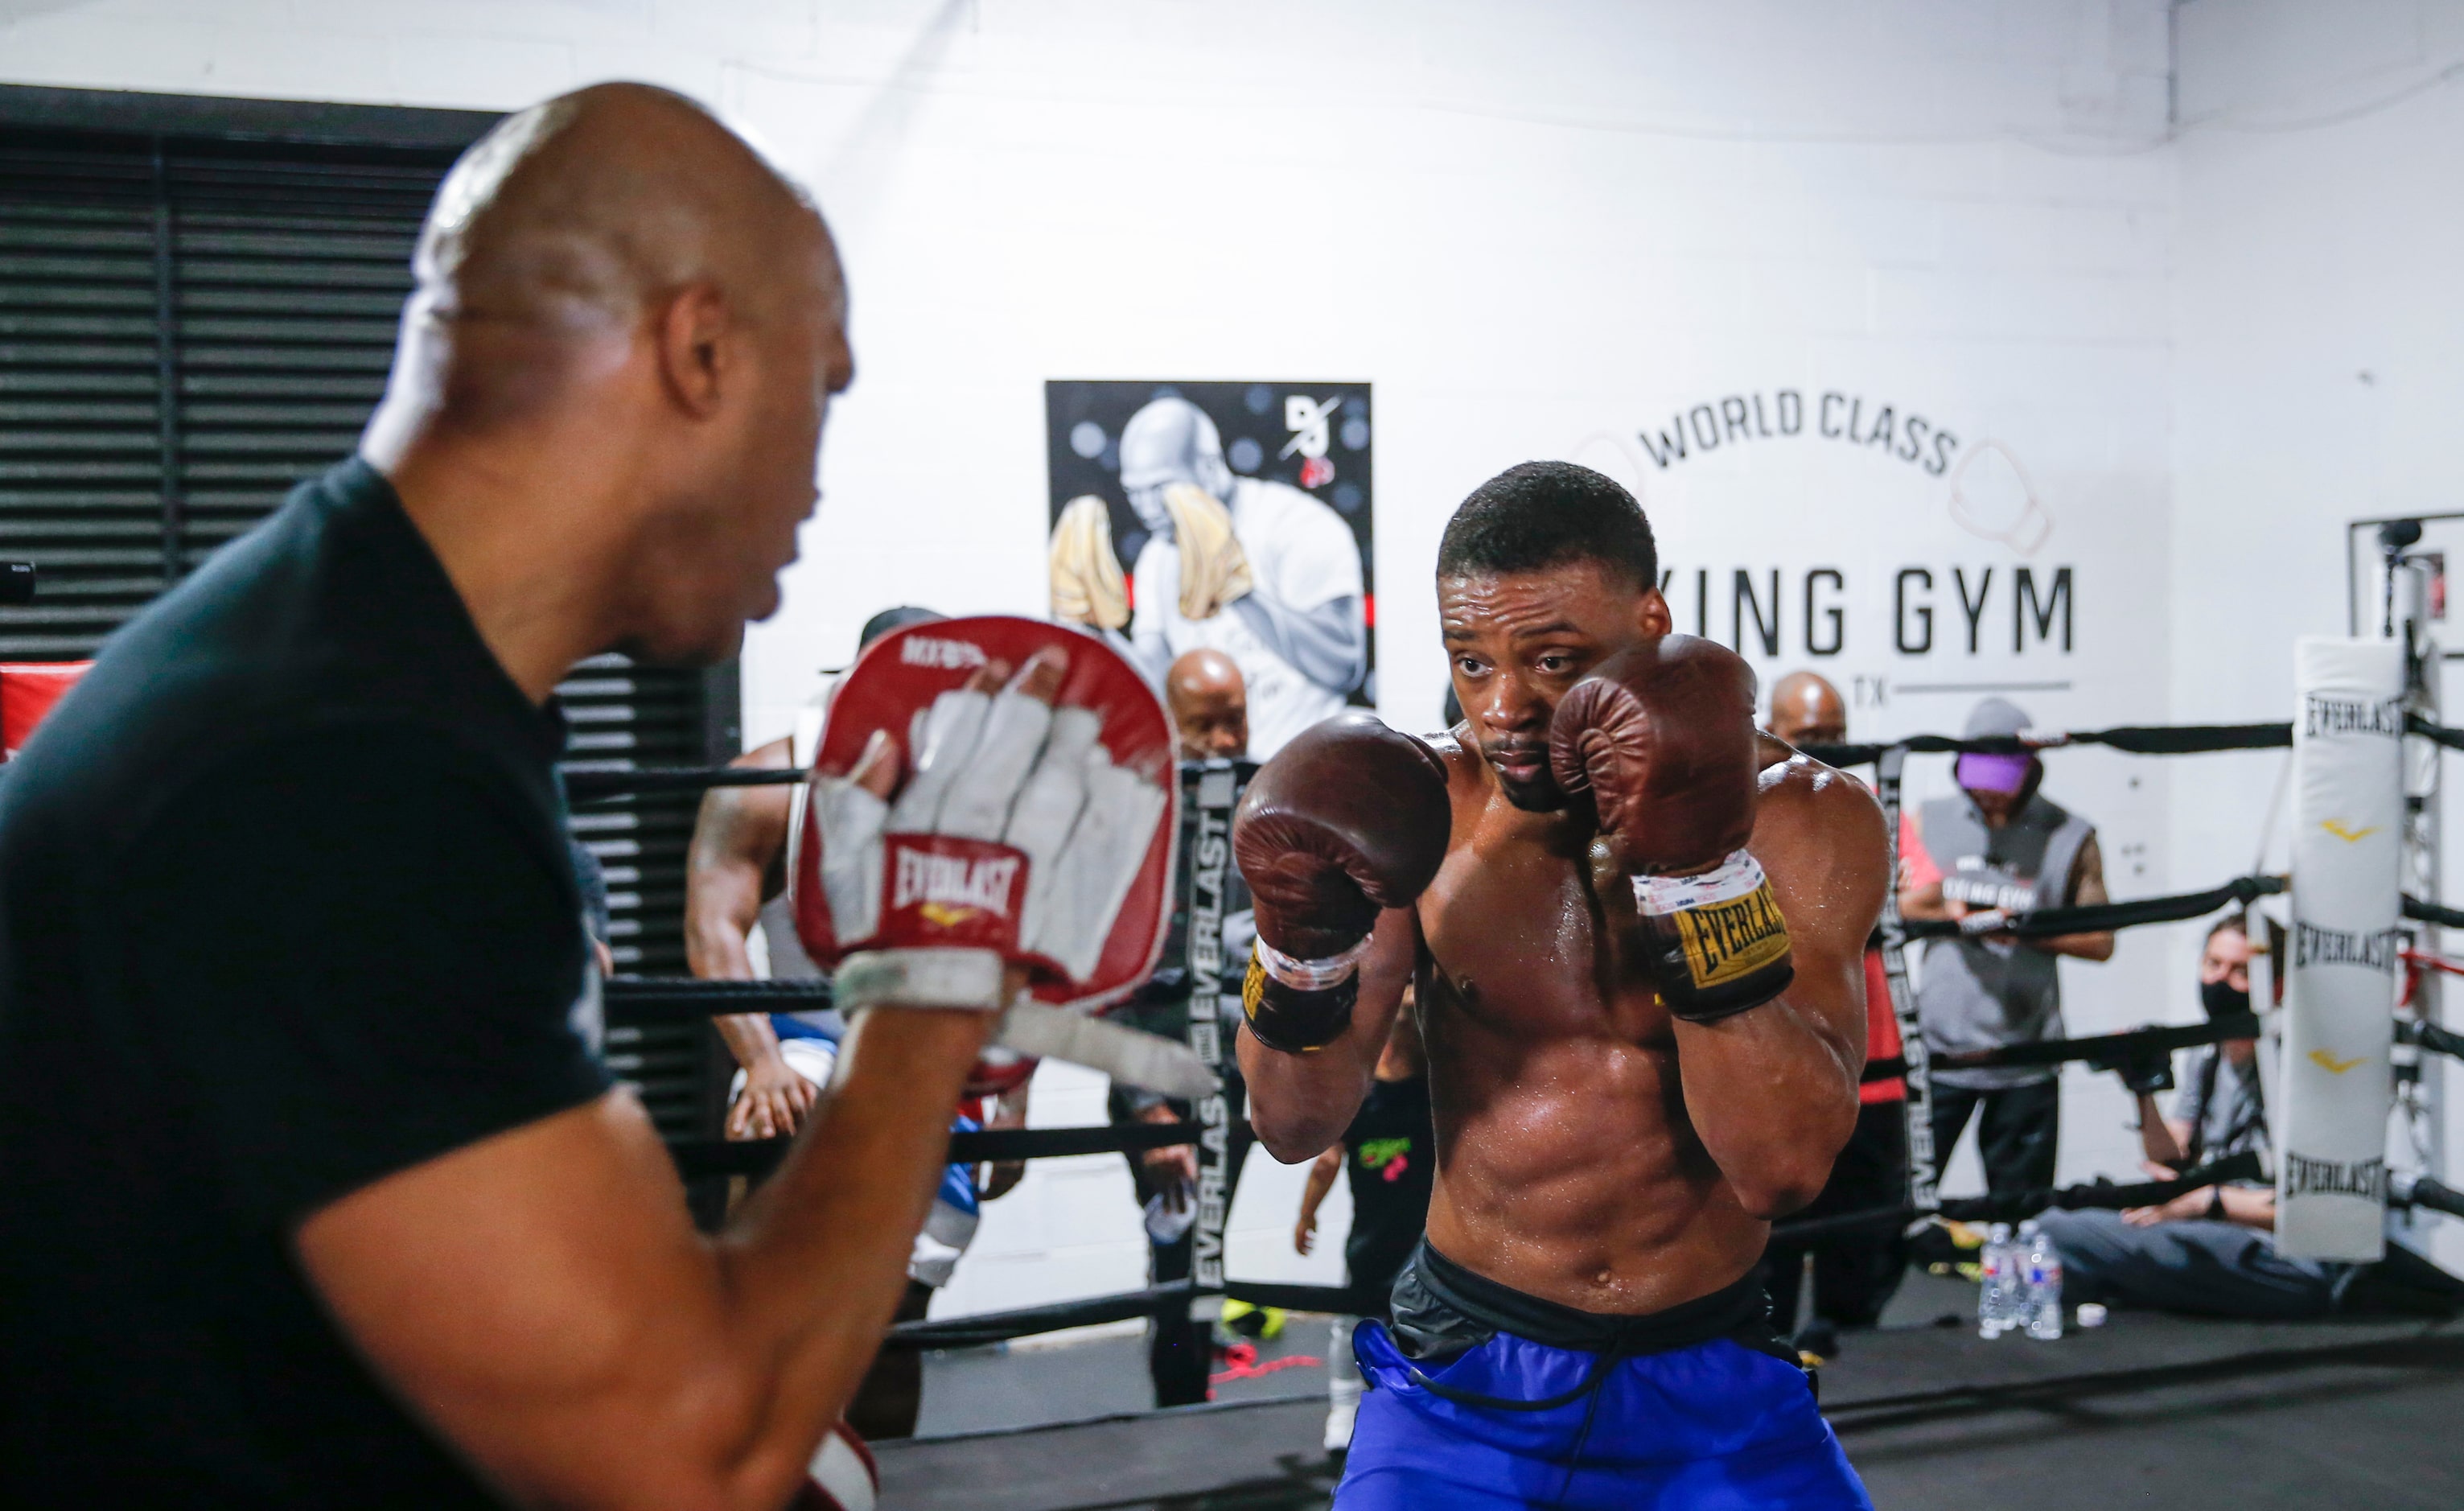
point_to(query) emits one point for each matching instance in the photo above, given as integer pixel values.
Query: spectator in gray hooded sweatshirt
(1998, 846)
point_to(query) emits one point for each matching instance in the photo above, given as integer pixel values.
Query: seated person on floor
(2212, 1251)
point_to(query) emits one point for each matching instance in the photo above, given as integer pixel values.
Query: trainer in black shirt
(313, 1191)
(227, 865)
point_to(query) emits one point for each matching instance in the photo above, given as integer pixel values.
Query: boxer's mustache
(1518, 751)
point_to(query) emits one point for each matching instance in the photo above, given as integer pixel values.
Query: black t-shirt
(285, 907)
(1390, 1155)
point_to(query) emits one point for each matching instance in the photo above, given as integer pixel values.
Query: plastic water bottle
(1993, 1310)
(2044, 1288)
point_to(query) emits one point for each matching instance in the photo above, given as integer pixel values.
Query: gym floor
(2150, 1409)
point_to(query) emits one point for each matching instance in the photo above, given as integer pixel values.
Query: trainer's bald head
(1807, 710)
(568, 220)
(1210, 705)
(625, 332)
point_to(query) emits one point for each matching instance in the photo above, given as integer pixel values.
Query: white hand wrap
(920, 978)
(1311, 975)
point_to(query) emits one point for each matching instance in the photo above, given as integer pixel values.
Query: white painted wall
(2318, 350)
(1539, 229)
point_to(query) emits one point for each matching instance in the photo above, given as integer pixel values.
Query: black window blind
(189, 325)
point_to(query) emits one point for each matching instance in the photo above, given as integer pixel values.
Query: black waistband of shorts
(1736, 1308)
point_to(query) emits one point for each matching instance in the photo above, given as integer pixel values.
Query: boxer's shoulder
(1813, 821)
(1797, 784)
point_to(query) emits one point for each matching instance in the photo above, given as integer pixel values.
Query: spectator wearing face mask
(1996, 848)
(2212, 1251)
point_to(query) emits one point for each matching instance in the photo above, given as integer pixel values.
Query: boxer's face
(1517, 640)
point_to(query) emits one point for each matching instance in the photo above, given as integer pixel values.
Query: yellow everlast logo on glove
(1726, 939)
(1253, 985)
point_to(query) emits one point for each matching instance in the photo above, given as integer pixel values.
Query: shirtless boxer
(1636, 1060)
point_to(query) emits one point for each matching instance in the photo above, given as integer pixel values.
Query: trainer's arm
(543, 1299)
(1772, 1091)
(1301, 1104)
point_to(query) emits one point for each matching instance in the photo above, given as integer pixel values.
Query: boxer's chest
(1532, 931)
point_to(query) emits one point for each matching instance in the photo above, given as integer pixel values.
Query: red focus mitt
(988, 792)
(842, 1476)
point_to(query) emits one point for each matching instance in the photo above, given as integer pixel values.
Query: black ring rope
(595, 786)
(658, 999)
(698, 1158)
(2096, 917)
(1029, 1143)
(2011, 1205)
(598, 787)
(2103, 1051)
(2430, 1037)
(2131, 739)
(643, 999)
(992, 1327)
(988, 1328)
(2421, 912)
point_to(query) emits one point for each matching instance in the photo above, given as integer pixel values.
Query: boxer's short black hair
(1542, 514)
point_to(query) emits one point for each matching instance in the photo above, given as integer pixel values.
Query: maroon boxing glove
(1662, 738)
(1349, 818)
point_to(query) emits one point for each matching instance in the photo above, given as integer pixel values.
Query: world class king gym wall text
(1924, 610)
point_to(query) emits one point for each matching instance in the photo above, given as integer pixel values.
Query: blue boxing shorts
(1483, 1398)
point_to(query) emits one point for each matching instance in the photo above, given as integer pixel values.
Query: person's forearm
(2250, 1206)
(722, 903)
(2156, 1136)
(738, 833)
(1772, 1096)
(1295, 1100)
(1301, 1104)
(1924, 902)
(2096, 946)
(749, 1038)
(1321, 1179)
(815, 1262)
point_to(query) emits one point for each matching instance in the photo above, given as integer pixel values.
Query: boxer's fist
(1662, 738)
(1349, 818)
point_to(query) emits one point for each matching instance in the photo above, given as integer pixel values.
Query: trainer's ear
(1651, 616)
(693, 335)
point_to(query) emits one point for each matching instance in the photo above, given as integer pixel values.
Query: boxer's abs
(1566, 1165)
(1568, 1172)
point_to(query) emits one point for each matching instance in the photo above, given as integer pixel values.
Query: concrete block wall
(1539, 229)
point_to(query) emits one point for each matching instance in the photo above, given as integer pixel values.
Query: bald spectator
(1210, 706)
(1209, 701)
(1854, 1273)
(1805, 710)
